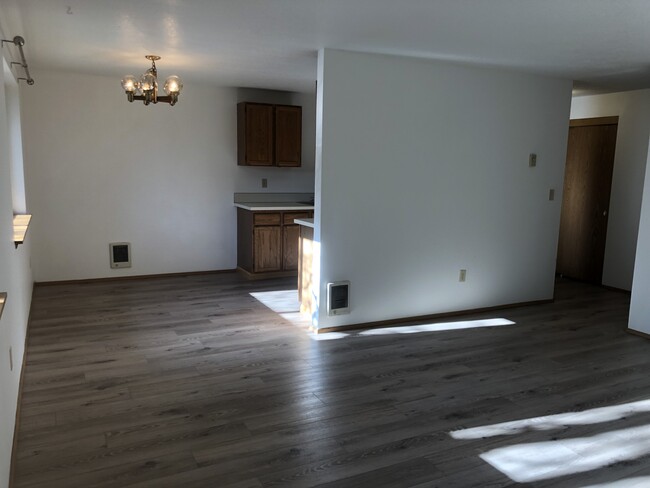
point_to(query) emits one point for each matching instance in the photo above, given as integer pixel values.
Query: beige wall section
(639, 304)
(424, 171)
(633, 110)
(15, 279)
(99, 169)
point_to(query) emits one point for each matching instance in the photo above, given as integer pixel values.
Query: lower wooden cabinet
(267, 254)
(267, 242)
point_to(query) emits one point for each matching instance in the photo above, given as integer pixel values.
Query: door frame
(593, 122)
(613, 120)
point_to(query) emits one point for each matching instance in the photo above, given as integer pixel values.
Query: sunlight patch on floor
(557, 421)
(525, 463)
(438, 327)
(329, 336)
(414, 329)
(285, 303)
(281, 301)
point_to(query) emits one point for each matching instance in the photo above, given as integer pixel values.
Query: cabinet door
(288, 135)
(290, 241)
(267, 245)
(255, 134)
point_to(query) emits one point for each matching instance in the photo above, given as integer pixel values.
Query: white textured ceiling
(603, 44)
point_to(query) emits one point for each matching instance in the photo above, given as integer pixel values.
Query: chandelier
(146, 88)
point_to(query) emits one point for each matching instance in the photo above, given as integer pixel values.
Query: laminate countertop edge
(277, 206)
(305, 222)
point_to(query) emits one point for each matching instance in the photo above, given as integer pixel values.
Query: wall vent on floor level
(120, 254)
(338, 298)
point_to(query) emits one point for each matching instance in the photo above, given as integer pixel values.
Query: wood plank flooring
(191, 381)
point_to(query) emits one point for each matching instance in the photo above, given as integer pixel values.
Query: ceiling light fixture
(146, 88)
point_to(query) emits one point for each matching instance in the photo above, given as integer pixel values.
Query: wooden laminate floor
(193, 382)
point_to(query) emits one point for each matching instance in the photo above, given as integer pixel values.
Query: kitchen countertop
(305, 222)
(279, 206)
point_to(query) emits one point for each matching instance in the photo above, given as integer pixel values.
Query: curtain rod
(20, 42)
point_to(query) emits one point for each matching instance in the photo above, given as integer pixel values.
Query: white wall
(640, 305)
(15, 279)
(14, 132)
(100, 170)
(633, 110)
(424, 171)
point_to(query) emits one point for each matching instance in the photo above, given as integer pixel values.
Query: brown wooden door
(288, 135)
(267, 250)
(585, 204)
(255, 134)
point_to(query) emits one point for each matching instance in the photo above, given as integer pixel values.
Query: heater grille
(338, 298)
(120, 253)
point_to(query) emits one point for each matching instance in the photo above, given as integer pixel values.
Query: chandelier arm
(162, 99)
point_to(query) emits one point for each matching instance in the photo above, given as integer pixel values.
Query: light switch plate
(551, 194)
(532, 160)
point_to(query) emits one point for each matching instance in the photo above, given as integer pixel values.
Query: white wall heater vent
(120, 254)
(338, 298)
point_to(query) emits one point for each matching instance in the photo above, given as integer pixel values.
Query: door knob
(604, 213)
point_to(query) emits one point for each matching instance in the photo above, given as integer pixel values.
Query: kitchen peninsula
(267, 236)
(306, 250)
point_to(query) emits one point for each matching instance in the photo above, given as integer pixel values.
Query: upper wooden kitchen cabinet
(288, 135)
(269, 135)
